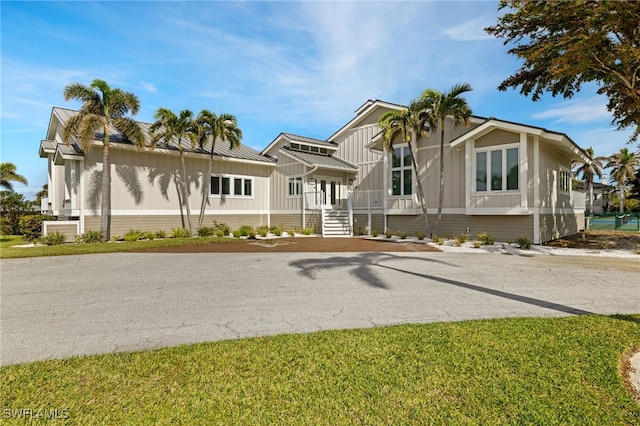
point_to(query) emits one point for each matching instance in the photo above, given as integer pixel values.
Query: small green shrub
(263, 231)
(116, 238)
(54, 238)
(31, 226)
(306, 231)
(462, 238)
(180, 233)
(161, 234)
(477, 244)
(447, 236)
(221, 229)
(388, 233)
(486, 238)
(401, 234)
(206, 231)
(375, 231)
(90, 237)
(457, 242)
(133, 235)
(148, 235)
(438, 240)
(359, 231)
(245, 231)
(419, 235)
(276, 230)
(524, 243)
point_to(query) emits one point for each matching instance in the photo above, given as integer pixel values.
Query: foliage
(9, 174)
(161, 234)
(180, 233)
(477, 244)
(103, 107)
(277, 230)
(148, 235)
(360, 231)
(438, 240)
(403, 235)
(245, 231)
(388, 233)
(567, 43)
(306, 231)
(12, 207)
(375, 231)
(90, 236)
(419, 235)
(221, 229)
(486, 238)
(623, 166)
(54, 238)
(133, 235)
(524, 243)
(462, 237)
(263, 230)
(31, 226)
(206, 231)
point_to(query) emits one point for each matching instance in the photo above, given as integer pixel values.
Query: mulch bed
(302, 245)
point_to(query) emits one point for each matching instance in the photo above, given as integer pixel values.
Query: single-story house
(508, 179)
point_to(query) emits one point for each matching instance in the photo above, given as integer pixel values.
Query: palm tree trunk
(105, 200)
(441, 192)
(621, 197)
(590, 198)
(419, 188)
(205, 193)
(186, 193)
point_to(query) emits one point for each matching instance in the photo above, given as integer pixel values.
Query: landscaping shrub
(206, 231)
(54, 238)
(401, 234)
(180, 233)
(419, 235)
(486, 238)
(306, 231)
(524, 243)
(462, 238)
(221, 229)
(31, 226)
(438, 240)
(263, 231)
(161, 234)
(276, 230)
(148, 235)
(90, 237)
(133, 235)
(245, 231)
(375, 232)
(388, 233)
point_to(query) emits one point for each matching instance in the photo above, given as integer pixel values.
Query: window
(295, 186)
(221, 185)
(401, 173)
(497, 170)
(564, 181)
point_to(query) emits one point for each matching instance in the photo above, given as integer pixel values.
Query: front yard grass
(507, 371)
(7, 251)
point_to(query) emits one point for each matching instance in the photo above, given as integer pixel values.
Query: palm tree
(438, 106)
(169, 127)
(8, 175)
(214, 127)
(102, 107)
(589, 170)
(623, 167)
(406, 124)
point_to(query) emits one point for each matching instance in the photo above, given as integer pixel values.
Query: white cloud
(471, 30)
(577, 112)
(149, 87)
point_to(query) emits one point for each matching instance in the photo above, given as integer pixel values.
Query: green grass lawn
(509, 371)
(7, 251)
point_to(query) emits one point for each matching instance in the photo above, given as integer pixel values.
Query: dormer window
(308, 148)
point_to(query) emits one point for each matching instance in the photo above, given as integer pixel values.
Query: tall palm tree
(8, 174)
(623, 166)
(214, 127)
(438, 106)
(405, 124)
(589, 170)
(170, 127)
(102, 108)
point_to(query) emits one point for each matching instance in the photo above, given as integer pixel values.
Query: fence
(625, 222)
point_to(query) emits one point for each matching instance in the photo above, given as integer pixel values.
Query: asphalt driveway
(56, 307)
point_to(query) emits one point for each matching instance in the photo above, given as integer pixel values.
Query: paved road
(63, 306)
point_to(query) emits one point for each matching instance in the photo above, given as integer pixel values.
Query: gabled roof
(558, 140)
(221, 149)
(300, 139)
(320, 161)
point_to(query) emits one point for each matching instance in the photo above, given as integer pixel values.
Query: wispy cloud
(577, 112)
(149, 87)
(471, 30)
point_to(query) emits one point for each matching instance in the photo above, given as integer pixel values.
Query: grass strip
(8, 252)
(507, 371)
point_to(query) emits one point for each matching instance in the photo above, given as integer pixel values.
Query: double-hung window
(236, 186)
(564, 181)
(401, 171)
(497, 169)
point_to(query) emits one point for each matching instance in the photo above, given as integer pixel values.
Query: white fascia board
(273, 144)
(495, 211)
(363, 112)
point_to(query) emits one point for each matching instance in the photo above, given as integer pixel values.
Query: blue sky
(297, 67)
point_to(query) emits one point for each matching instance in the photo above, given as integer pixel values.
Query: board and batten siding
(553, 226)
(147, 181)
(551, 162)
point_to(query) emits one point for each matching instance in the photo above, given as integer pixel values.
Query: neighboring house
(508, 179)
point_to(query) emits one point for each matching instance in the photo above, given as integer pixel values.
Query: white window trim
(298, 184)
(563, 170)
(488, 150)
(402, 168)
(232, 188)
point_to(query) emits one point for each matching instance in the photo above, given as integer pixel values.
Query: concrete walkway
(58, 307)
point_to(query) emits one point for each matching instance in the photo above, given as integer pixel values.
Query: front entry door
(331, 189)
